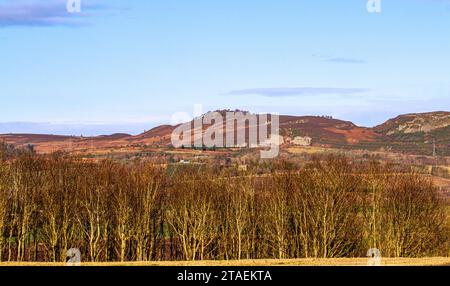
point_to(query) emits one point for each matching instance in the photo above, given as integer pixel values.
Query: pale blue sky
(134, 63)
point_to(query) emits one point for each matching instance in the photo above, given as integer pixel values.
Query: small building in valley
(302, 141)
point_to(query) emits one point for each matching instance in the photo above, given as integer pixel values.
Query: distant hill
(326, 130)
(415, 123)
(418, 131)
(409, 133)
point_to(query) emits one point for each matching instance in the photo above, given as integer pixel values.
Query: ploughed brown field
(426, 261)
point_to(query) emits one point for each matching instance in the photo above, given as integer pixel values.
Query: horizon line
(112, 124)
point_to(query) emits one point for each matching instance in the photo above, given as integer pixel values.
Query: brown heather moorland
(412, 134)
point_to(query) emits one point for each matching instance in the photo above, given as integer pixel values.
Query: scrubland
(329, 211)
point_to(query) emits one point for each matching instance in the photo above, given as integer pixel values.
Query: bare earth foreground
(429, 261)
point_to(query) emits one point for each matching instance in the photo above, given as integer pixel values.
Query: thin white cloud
(339, 59)
(298, 91)
(345, 60)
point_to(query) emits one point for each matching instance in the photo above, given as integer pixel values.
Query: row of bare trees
(139, 212)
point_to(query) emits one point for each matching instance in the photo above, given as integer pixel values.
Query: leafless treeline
(138, 212)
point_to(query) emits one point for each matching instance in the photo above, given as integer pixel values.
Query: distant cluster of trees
(139, 212)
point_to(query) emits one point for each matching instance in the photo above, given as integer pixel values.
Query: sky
(127, 66)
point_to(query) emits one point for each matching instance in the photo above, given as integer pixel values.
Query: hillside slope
(410, 133)
(418, 132)
(415, 123)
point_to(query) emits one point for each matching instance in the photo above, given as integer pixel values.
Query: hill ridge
(404, 132)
